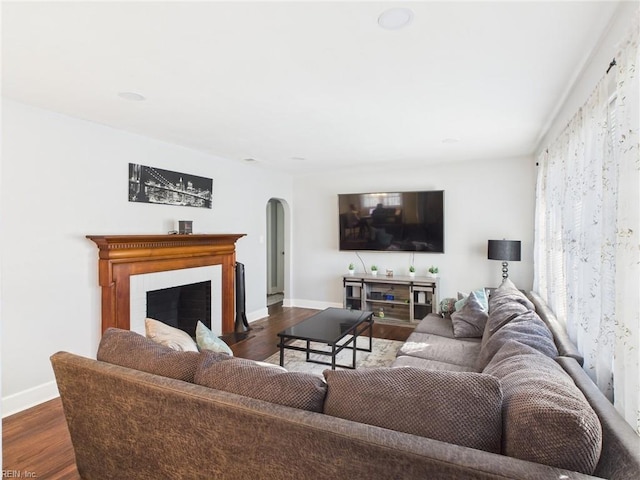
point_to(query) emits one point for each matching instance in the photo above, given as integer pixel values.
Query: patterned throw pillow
(170, 336)
(207, 340)
(481, 295)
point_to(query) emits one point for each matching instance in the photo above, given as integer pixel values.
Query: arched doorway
(275, 254)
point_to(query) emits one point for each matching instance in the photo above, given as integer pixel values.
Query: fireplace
(181, 307)
(125, 260)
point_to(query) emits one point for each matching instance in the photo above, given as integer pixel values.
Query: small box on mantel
(185, 227)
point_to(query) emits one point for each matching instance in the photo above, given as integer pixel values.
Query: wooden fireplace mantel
(121, 256)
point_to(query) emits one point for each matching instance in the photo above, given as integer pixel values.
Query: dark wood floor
(36, 442)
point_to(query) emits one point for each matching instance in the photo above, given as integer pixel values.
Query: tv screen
(392, 221)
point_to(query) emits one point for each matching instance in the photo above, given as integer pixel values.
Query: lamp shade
(507, 250)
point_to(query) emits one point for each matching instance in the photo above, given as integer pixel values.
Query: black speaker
(241, 323)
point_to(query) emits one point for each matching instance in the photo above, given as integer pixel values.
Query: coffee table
(329, 327)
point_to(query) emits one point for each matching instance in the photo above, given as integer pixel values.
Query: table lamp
(505, 250)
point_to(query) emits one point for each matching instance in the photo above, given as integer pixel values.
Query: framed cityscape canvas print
(155, 185)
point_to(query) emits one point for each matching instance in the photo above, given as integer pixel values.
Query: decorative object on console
(389, 272)
(412, 271)
(433, 271)
(352, 269)
(155, 185)
(505, 250)
(447, 306)
(374, 270)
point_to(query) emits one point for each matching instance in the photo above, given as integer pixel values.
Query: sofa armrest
(566, 347)
(620, 457)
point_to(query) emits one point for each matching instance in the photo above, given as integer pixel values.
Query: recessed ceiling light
(250, 160)
(134, 97)
(395, 18)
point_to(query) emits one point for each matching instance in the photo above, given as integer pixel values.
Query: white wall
(488, 199)
(65, 178)
(593, 71)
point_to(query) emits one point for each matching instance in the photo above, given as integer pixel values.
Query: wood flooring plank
(37, 440)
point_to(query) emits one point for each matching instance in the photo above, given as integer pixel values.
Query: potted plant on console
(433, 271)
(412, 271)
(374, 270)
(352, 269)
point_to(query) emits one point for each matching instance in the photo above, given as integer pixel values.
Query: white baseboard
(257, 314)
(300, 303)
(29, 398)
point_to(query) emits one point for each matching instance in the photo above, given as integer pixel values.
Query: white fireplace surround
(147, 282)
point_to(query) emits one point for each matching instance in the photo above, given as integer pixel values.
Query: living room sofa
(142, 410)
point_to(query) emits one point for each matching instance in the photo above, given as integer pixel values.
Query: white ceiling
(302, 86)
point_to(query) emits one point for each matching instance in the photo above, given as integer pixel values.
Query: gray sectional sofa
(514, 403)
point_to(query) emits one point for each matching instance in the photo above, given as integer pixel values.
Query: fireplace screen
(182, 306)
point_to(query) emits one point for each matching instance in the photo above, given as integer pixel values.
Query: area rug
(383, 355)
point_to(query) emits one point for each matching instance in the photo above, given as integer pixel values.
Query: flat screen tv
(392, 221)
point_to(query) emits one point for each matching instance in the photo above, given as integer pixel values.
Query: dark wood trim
(120, 256)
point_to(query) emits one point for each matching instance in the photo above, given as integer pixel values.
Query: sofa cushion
(546, 418)
(245, 377)
(471, 319)
(170, 336)
(456, 407)
(458, 351)
(207, 340)
(406, 361)
(437, 325)
(132, 350)
(525, 328)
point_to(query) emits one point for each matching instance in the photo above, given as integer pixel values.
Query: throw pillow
(170, 336)
(471, 319)
(132, 350)
(546, 417)
(207, 340)
(481, 295)
(456, 407)
(244, 377)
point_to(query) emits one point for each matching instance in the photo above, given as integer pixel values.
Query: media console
(401, 298)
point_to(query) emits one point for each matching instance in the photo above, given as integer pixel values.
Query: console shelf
(402, 298)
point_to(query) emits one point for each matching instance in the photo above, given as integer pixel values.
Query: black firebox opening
(182, 306)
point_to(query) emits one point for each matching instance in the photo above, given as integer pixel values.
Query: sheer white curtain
(587, 236)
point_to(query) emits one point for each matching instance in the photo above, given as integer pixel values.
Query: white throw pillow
(170, 336)
(207, 340)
